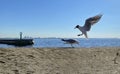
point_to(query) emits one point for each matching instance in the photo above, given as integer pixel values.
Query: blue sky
(57, 18)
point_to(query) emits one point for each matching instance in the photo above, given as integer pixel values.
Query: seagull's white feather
(88, 23)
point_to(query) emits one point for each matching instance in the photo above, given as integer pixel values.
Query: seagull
(88, 23)
(70, 41)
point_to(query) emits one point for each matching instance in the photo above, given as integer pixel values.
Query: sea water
(83, 42)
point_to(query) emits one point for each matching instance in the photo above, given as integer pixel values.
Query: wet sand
(104, 60)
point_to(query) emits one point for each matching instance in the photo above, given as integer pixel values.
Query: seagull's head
(77, 26)
(63, 39)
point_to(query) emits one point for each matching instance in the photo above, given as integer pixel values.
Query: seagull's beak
(75, 28)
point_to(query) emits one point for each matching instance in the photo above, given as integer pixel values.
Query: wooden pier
(17, 42)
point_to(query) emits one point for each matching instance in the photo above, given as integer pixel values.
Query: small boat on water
(17, 42)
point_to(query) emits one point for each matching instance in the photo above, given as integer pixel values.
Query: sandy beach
(104, 60)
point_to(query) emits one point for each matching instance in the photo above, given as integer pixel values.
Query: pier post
(20, 35)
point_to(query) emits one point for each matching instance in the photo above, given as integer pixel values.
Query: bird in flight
(88, 23)
(70, 41)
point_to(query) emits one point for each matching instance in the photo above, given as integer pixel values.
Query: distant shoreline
(56, 38)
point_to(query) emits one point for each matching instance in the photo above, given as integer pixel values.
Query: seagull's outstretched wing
(90, 21)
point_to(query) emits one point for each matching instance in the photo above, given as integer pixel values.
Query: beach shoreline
(97, 60)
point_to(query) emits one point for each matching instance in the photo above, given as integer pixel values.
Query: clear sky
(57, 18)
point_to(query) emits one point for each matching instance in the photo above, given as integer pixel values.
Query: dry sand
(60, 60)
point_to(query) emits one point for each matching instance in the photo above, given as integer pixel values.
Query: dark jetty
(17, 42)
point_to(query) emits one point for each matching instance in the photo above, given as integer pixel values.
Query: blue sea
(56, 42)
